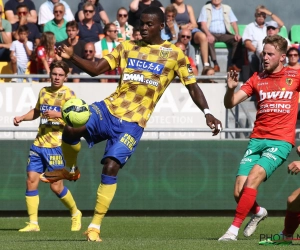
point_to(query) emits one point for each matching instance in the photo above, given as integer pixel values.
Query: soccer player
(45, 152)
(273, 136)
(148, 66)
(292, 216)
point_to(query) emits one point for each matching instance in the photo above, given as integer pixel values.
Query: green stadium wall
(161, 175)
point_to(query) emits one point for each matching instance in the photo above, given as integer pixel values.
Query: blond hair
(279, 43)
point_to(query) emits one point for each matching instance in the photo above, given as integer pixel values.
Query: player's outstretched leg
(70, 147)
(32, 202)
(69, 202)
(105, 195)
(72, 174)
(245, 203)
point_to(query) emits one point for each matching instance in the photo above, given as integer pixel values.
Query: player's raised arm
(200, 100)
(92, 68)
(232, 98)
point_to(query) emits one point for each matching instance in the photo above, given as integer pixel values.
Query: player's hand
(232, 79)
(298, 150)
(214, 124)
(51, 114)
(17, 120)
(64, 51)
(294, 167)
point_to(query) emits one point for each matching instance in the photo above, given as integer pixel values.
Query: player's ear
(162, 25)
(282, 57)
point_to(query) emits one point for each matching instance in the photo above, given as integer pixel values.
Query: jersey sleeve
(248, 86)
(37, 106)
(70, 94)
(184, 69)
(114, 57)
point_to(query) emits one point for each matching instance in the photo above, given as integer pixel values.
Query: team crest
(289, 81)
(60, 95)
(164, 54)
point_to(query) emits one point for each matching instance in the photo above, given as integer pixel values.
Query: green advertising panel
(161, 175)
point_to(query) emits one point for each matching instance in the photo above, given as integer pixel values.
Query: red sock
(255, 208)
(244, 205)
(291, 223)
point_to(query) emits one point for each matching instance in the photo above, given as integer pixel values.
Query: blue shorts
(122, 136)
(40, 159)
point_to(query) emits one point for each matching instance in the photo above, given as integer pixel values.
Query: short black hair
(23, 28)
(155, 11)
(72, 24)
(22, 5)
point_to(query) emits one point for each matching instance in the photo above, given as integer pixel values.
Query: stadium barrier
(161, 175)
(175, 108)
(218, 76)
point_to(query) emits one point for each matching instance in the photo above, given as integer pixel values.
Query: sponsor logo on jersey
(291, 73)
(289, 81)
(43, 121)
(189, 68)
(45, 107)
(139, 78)
(275, 95)
(276, 106)
(137, 64)
(262, 83)
(166, 49)
(164, 54)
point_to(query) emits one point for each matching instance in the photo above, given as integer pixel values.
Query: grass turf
(131, 233)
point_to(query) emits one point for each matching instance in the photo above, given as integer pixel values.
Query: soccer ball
(75, 112)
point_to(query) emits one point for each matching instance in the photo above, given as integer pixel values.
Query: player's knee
(111, 167)
(236, 195)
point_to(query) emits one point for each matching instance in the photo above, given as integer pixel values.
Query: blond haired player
(277, 91)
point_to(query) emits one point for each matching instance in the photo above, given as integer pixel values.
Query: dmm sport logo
(275, 95)
(137, 64)
(139, 78)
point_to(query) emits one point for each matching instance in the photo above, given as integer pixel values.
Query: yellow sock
(32, 203)
(70, 153)
(69, 202)
(105, 194)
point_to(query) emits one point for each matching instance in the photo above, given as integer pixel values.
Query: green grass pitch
(132, 233)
